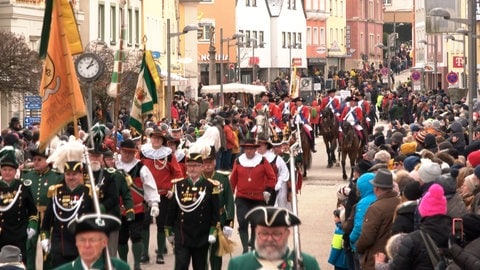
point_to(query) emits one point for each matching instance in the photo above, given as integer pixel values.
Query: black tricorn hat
(298, 99)
(195, 157)
(94, 222)
(265, 93)
(75, 166)
(272, 217)
(128, 145)
(331, 90)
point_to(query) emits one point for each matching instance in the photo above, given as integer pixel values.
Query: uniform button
(181, 220)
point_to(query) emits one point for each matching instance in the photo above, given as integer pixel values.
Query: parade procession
(141, 144)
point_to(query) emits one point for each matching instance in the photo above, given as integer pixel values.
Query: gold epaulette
(213, 181)
(52, 190)
(89, 190)
(176, 180)
(227, 173)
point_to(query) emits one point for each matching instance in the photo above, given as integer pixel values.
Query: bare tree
(20, 67)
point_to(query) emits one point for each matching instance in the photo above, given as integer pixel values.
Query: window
(289, 38)
(294, 4)
(315, 36)
(204, 30)
(341, 9)
(294, 39)
(284, 40)
(113, 25)
(137, 28)
(130, 27)
(242, 36)
(342, 37)
(254, 35)
(205, 1)
(247, 38)
(254, 3)
(322, 36)
(387, 2)
(261, 36)
(101, 22)
(247, 3)
(309, 35)
(299, 40)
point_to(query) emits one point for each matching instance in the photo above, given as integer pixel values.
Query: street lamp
(472, 53)
(235, 36)
(254, 65)
(435, 61)
(186, 29)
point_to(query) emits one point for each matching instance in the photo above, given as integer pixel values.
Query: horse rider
(285, 106)
(330, 101)
(301, 115)
(269, 109)
(365, 106)
(354, 115)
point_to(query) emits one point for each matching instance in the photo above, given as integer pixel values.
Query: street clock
(89, 67)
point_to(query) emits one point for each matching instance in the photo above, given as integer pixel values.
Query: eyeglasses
(91, 241)
(277, 235)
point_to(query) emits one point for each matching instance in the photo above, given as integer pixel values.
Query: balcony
(317, 15)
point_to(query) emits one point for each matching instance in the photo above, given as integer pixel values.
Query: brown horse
(351, 146)
(329, 131)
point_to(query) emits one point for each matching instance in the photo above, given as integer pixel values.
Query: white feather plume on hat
(71, 151)
(201, 148)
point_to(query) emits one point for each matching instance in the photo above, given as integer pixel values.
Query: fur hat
(408, 148)
(433, 202)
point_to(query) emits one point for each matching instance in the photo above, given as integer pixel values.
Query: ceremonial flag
(62, 100)
(145, 93)
(113, 89)
(294, 83)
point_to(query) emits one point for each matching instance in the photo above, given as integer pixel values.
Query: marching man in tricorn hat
(271, 242)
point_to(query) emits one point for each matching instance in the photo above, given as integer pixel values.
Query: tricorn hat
(265, 93)
(298, 99)
(94, 222)
(195, 157)
(331, 90)
(249, 143)
(272, 217)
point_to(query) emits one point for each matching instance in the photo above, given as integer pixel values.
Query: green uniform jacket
(249, 261)
(226, 202)
(123, 192)
(99, 264)
(39, 184)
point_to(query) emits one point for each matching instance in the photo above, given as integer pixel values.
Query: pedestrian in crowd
(253, 183)
(272, 230)
(91, 238)
(40, 178)
(412, 253)
(193, 215)
(377, 223)
(161, 161)
(68, 199)
(11, 258)
(337, 254)
(143, 190)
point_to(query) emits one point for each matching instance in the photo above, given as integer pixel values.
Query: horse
(329, 131)
(306, 148)
(262, 126)
(351, 146)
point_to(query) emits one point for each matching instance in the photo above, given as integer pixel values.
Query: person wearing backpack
(435, 227)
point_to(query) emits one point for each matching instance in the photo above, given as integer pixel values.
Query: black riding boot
(312, 140)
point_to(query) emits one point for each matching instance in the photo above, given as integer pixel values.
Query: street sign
(28, 121)
(321, 50)
(33, 102)
(416, 75)
(452, 77)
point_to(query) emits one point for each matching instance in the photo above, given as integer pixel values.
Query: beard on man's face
(271, 250)
(95, 165)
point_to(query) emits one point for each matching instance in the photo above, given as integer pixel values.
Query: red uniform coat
(273, 111)
(357, 111)
(163, 175)
(365, 107)
(251, 182)
(334, 103)
(304, 113)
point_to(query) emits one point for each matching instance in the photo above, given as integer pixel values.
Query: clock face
(89, 67)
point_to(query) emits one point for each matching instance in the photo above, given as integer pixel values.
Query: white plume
(71, 151)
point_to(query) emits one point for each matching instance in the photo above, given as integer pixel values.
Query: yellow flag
(62, 100)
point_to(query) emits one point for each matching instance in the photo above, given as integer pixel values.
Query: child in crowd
(337, 254)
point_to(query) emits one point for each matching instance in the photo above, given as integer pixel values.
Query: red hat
(474, 158)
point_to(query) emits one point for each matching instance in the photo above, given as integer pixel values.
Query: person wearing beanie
(408, 148)
(378, 219)
(412, 253)
(474, 158)
(382, 156)
(410, 162)
(392, 246)
(429, 171)
(430, 143)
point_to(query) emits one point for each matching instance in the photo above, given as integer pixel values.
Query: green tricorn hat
(94, 223)
(7, 157)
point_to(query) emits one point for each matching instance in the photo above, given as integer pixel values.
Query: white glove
(266, 196)
(170, 239)
(278, 186)
(30, 233)
(169, 194)
(154, 211)
(227, 231)
(212, 239)
(45, 245)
